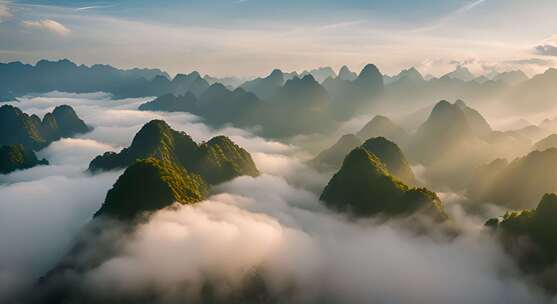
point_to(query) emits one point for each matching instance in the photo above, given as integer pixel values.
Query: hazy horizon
(226, 38)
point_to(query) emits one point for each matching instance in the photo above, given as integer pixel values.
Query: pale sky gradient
(251, 37)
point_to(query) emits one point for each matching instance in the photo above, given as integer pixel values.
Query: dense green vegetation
(17, 157)
(363, 187)
(385, 150)
(216, 161)
(529, 235)
(220, 160)
(393, 158)
(17, 127)
(149, 185)
(167, 166)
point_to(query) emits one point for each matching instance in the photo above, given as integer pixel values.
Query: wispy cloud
(93, 7)
(451, 16)
(468, 7)
(531, 61)
(338, 25)
(5, 12)
(48, 25)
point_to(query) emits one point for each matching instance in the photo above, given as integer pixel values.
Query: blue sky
(250, 37)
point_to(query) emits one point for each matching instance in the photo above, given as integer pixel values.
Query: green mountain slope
(17, 127)
(216, 161)
(17, 157)
(363, 187)
(149, 185)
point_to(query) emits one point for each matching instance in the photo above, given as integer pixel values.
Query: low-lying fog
(273, 223)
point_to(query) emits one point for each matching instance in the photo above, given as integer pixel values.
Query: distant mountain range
(281, 107)
(258, 103)
(17, 79)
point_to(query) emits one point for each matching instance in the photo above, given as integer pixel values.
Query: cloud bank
(271, 231)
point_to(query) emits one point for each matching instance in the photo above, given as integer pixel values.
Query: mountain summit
(363, 187)
(216, 161)
(16, 127)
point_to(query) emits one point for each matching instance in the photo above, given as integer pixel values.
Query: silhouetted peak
(360, 158)
(381, 119)
(344, 69)
(60, 63)
(220, 140)
(180, 77)
(411, 73)
(442, 105)
(346, 74)
(370, 70)
(10, 109)
(217, 87)
(276, 73)
(461, 73)
(461, 104)
(155, 124)
(548, 205)
(348, 138)
(380, 140)
(308, 78)
(152, 132)
(64, 110)
(195, 74)
(240, 91)
(48, 119)
(297, 81)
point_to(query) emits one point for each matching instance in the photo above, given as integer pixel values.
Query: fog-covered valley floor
(272, 226)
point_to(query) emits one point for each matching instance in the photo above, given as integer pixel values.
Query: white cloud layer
(273, 224)
(48, 25)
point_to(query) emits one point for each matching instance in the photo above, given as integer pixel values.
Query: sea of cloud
(273, 224)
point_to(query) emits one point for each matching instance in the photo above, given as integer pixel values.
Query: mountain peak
(370, 78)
(346, 74)
(393, 158)
(308, 78)
(149, 185)
(370, 70)
(385, 127)
(548, 205)
(363, 187)
(460, 103)
(361, 158)
(216, 161)
(16, 127)
(276, 73)
(461, 73)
